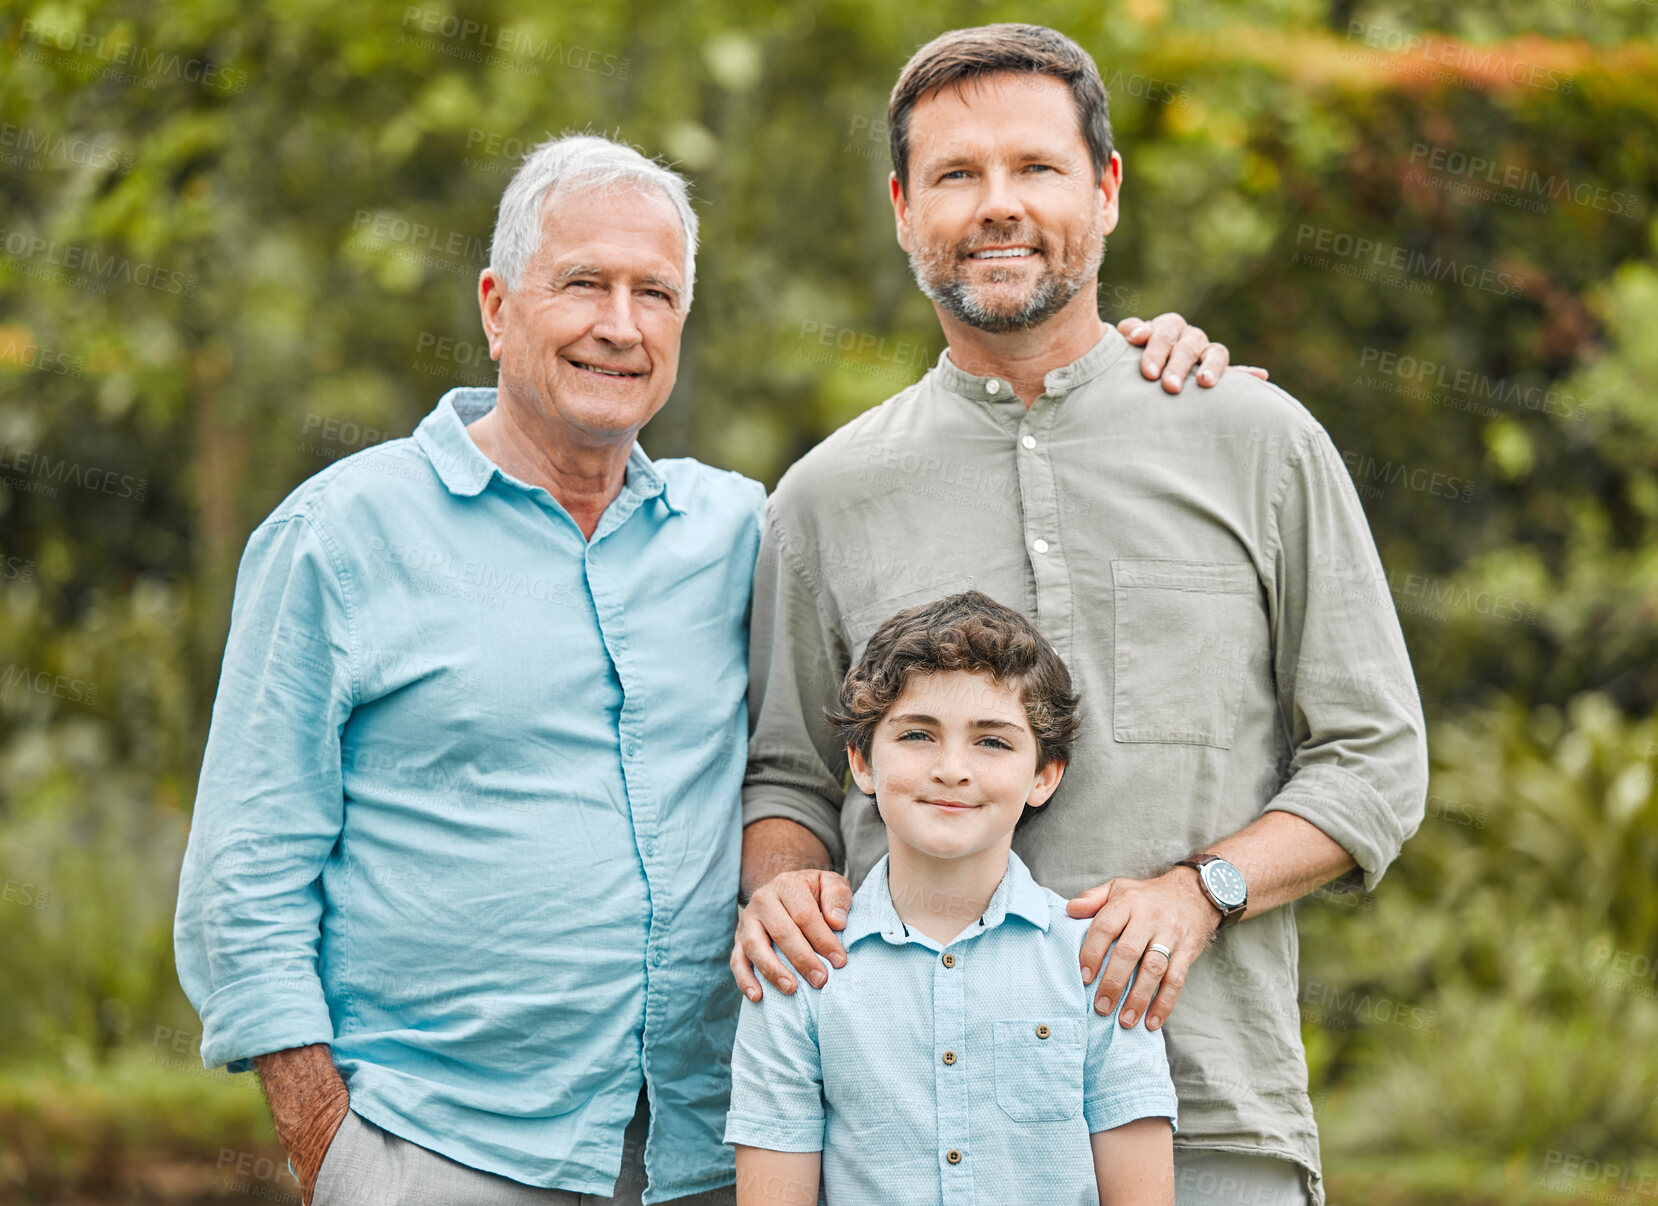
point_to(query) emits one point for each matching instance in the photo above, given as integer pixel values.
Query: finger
(743, 971)
(1119, 966)
(1215, 359)
(756, 943)
(1107, 928)
(814, 934)
(1089, 902)
(1147, 977)
(1174, 979)
(837, 901)
(1253, 371)
(1182, 357)
(1165, 332)
(1135, 330)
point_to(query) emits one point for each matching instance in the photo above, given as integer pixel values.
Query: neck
(1025, 358)
(941, 897)
(585, 475)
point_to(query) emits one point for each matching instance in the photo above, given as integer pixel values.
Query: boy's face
(953, 764)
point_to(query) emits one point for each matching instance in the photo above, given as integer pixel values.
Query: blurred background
(239, 241)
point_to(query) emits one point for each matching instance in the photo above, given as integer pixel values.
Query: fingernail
(817, 978)
(1087, 975)
(1128, 1017)
(1102, 1006)
(1171, 379)
(837, 917)
(1140, 330)
(838, 960)
(753, 995)
(787, 986)
(1206, 377)
(1152, 1023)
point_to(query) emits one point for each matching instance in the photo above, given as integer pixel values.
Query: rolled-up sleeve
(796, 767)
(777, 1075)
(1359, 768)
(269, 806)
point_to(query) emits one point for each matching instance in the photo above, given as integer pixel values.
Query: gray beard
(1051, 295)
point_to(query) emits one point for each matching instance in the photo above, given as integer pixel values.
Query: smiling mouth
(949, 805)
(601, 371)
(1002, 253)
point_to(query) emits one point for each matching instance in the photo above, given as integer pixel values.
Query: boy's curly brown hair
(969, 631)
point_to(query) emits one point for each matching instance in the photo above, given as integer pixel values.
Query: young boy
(956, 1058)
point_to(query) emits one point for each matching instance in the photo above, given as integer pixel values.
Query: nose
(1001, 203)
(950, 767)
(616, 323)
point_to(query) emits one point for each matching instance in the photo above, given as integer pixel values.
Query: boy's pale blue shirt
(469, 810)
(970, 1073)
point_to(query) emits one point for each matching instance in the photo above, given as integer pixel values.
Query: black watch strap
(1229, 914)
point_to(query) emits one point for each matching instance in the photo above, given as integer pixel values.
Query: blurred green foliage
(239, 241)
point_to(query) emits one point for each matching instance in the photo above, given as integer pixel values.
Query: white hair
(580, 163)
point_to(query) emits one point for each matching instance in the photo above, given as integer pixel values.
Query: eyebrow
(919, 718)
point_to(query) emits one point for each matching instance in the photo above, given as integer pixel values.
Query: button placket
(950, 1079)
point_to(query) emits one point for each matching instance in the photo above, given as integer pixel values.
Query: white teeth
(593, 368)
(1001, 253)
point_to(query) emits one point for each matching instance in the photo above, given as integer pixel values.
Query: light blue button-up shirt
(469, 807)
(971, 1073)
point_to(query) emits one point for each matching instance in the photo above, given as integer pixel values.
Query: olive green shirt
(1202, 564)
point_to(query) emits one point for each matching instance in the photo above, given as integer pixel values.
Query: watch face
(1226, 882)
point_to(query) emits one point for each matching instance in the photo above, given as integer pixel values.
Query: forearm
(308, 1101)
(766, 1177)
(1282, 857)
(774, 845)
(1134, 1164)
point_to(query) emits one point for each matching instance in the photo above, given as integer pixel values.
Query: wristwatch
(1222, 883)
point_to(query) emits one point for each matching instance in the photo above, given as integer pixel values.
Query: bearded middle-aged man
(1203, 566)
(463, 869)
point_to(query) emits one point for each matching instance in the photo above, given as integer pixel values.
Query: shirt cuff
(1350, 811)
(810, 811)
(1127, 1105)
(774, 1134)
(262, 1014)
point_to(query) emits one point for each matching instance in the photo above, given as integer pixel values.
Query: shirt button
(992, 388)
(1028, 441)
(953, 1156)
(1043, 1032)
(949, 960)
(633, 749)
(1040, 546)
(949, 1057)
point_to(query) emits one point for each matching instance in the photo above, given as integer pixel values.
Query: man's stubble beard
(941, 274)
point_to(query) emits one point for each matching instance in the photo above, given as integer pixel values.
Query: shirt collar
(1058, 383)
(873, 913)
(465, 470)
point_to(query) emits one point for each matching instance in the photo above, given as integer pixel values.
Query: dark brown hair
(967, 54)
(969, 631)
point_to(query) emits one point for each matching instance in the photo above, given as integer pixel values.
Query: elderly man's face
(589, 340)
(1004, 220)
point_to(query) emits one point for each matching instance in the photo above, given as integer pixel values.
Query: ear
(492, 297)
(1047, 782)
(1111, 186)
(900, 210)
(862, 775)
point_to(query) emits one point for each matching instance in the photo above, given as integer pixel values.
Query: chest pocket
(1188, 636)
(1039, 1068)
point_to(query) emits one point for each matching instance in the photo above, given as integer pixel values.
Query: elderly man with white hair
(462, 875)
